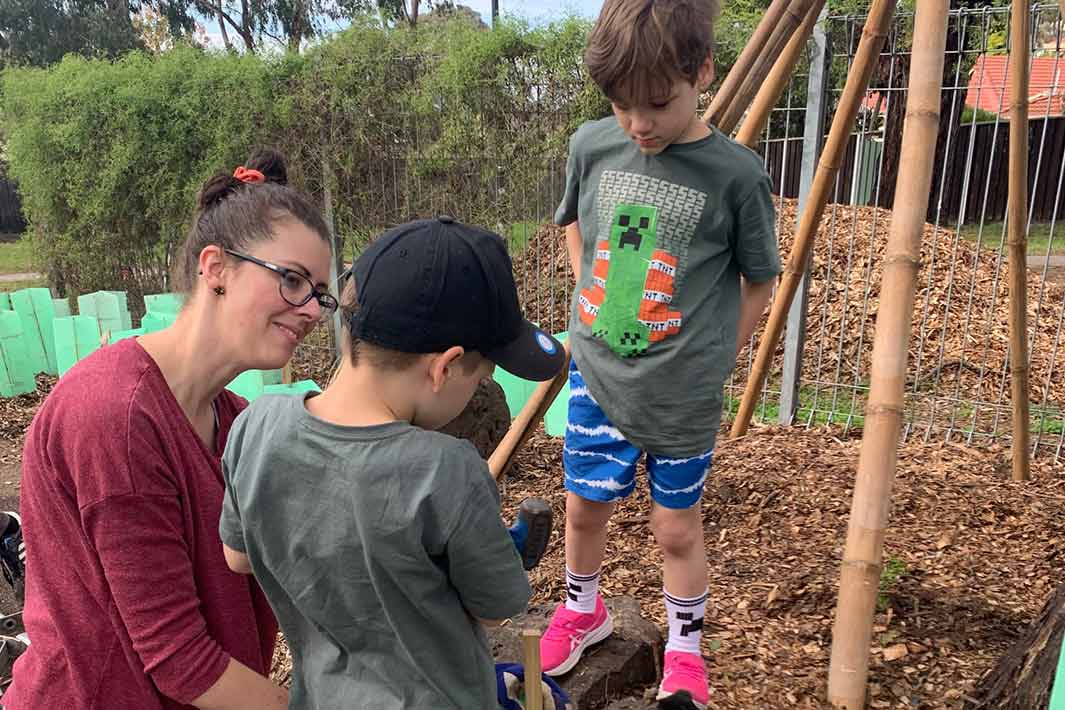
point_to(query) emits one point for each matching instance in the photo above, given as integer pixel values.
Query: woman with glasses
(130, 604)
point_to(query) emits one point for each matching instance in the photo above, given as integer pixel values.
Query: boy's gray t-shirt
(665, 240)
(374, 545)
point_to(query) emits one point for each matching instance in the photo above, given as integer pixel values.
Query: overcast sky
(536, 11)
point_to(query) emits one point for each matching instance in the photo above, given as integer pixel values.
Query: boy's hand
(754, 297)
(532, 530)
(575, 247)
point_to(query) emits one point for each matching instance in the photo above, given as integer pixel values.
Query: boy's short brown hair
(638, 48)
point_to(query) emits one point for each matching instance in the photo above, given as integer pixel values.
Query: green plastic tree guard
(163, 303)
(123, 334)
(152, 322)
(16, 370)
(272, 377)
(248, 384)
(293, 389)
(5, 301)
(109, 308)
(75, 338)
(61, 307)
(518, 391)
(1057, 695)
(37, 311)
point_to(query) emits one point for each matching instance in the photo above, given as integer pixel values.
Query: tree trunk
(485, 419)
(225, 34)
(894, 72)
(245, 28)
(1024, 677)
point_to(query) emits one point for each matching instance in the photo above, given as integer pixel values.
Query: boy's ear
(706, 73)
(442, 364)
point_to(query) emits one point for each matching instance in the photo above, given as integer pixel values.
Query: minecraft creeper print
(649, 225)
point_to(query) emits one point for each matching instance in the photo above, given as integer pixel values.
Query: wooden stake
(1017, 235)
(865, 59)
(286, 373)
(762, 49)
(534, 699)
(765, 101)
(860, 574)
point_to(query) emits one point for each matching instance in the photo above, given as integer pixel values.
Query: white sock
(581, 591)
(685, 622)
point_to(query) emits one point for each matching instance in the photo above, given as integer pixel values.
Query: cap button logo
(545, 343)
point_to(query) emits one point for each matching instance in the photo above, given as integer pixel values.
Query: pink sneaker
(684, 678)
(569, 634)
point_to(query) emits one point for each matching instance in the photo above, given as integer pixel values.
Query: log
(1024, 677)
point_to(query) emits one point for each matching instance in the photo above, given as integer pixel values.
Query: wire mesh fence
(958, 381)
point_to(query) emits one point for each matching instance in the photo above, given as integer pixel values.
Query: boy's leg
(585, 548)
(600, 469)
(676, 521)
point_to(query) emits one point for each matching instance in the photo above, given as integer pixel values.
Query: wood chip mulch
(971, 558)
(960, 337)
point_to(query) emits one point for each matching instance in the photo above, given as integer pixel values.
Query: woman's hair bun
(217, 188)
(270, 163)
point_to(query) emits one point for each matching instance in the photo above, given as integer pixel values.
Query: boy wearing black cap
(377, 540)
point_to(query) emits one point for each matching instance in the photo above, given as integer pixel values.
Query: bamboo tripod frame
(1017, 238)
(755, 62)
(862, 556)
(751, 130)
(869, 47)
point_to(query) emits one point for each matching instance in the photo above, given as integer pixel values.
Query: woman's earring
(219, 291)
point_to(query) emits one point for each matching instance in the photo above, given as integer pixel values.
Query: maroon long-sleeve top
(129, 602)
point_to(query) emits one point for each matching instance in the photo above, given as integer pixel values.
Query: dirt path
(24, 276)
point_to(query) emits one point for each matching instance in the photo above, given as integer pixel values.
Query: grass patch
(518, 235)
(7, 287)
(1039, 238)
(17, 257)
(815, 407)
(893, 569)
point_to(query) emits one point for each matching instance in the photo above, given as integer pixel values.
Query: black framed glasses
(295, 288)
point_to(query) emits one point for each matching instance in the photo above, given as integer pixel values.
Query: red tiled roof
(989, 86)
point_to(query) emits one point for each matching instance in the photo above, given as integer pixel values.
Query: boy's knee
(587, 515)
(677, 532)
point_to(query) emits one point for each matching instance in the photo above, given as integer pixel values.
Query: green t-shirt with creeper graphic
(666, 238)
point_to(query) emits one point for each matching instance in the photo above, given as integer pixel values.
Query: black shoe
(13, 553)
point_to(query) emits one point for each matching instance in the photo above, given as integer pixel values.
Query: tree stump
(1024, 677)
(485, 419)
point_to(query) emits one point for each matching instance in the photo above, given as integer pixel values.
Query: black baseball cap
(429, 285)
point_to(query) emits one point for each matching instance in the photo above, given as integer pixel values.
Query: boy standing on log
(669, 226)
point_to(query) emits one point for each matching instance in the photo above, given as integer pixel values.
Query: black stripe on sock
(686, 602)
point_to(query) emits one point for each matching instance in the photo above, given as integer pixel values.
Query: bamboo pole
(862, 556)
(752, 81)
(726, 95)
(1017, 237)
(865, 59)
(765, 101)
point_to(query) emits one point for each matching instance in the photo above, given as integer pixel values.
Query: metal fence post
(336, 264)
(812, 140)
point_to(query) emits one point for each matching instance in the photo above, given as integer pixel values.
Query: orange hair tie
(248, 175)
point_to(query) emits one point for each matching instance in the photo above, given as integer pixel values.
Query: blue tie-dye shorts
(601, 465)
